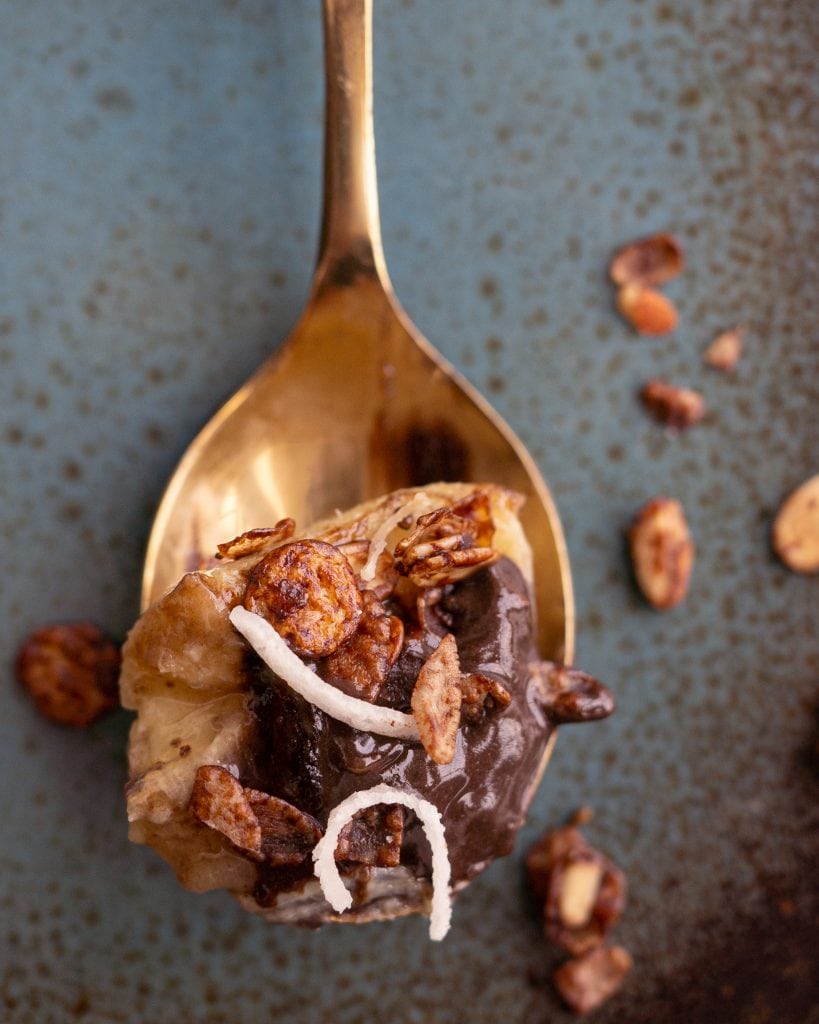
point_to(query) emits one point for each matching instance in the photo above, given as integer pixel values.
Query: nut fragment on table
(587, 981)
(647, 310)
(662, 552)
(795, 533)
(673, 406)
(583, 892)
(648, 261)
(725, 350)
(71, 672)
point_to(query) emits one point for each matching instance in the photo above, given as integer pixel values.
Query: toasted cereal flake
(419, 502)
(331, 882)
(359, 714)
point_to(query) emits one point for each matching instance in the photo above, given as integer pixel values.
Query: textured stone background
(159, 191)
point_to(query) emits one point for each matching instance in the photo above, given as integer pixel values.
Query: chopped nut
(648, 311)
(796, 528)
(442, 549)
(219, 801)
(582, 816)
(436, 701)
(725, 350)
(256, 541)
(360, 665)
(586, 982)
(481, 694)
(307, 591)
(648, 261)
(675, 407)
(71, 672)
(373, 836)
(582, 891)
(662, 552)
(288, 835)
(569, 695)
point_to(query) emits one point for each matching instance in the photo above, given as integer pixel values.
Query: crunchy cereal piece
(570, 695)
(356, 552)
(442, 549)
(795, 532)
(219, 801)
(256, 541)
(477, 508)
(583, 892)
(587, 981)
(675, 407)
(71, 672)
(725, 350)
(647, 310)
(480, 694)
(436, 701)
(662, 552)
(373, 836)
(360, 666)
(648, 261)
(288, 835)
(307, 591)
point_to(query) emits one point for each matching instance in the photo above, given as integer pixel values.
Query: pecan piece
(725, 350)
(256, 541)
(436, 701)
(795, 533)
(481, 694)
(586, 982)
(442, 549)
(307, 591)
(219, 801)
(373, 836)
(662, 552)
(583, 892)
(360, 665)
(648, 311)
(678, 408)
(288, 835)
(569, 695)
(71, 672)
(477, 508)
(648, 261)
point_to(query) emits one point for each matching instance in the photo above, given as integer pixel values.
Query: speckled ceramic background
(159, 191)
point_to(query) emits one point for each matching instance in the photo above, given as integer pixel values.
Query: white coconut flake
(359, 714)
(378, 542)
(332, 885)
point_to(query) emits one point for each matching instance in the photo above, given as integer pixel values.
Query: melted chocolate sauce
(314, 762)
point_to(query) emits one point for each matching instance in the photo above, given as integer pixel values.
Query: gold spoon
(355, 402)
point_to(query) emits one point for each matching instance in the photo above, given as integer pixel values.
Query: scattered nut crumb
(481, 695)
(795, 532)
(647, 310)
(373, 836)
(725, 350)
(436, 701)
(71, 671)
(662, 552)
(648, 261)
(582, 816)
(587, 981)
(583, 892)
(678, 408)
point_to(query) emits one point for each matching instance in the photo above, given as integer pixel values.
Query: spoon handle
(350, 241)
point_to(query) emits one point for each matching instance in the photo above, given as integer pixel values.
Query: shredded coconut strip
(379, 538)
(359, 714)
(331, 882)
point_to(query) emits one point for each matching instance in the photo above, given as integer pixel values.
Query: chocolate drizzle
(314, 762)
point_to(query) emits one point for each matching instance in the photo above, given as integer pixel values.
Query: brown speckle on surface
(115, 98)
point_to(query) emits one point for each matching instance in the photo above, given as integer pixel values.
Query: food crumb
(725, 350)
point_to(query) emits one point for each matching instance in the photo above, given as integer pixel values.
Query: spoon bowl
(355, 402)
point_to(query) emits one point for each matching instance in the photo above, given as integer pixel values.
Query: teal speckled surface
(159, 203)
